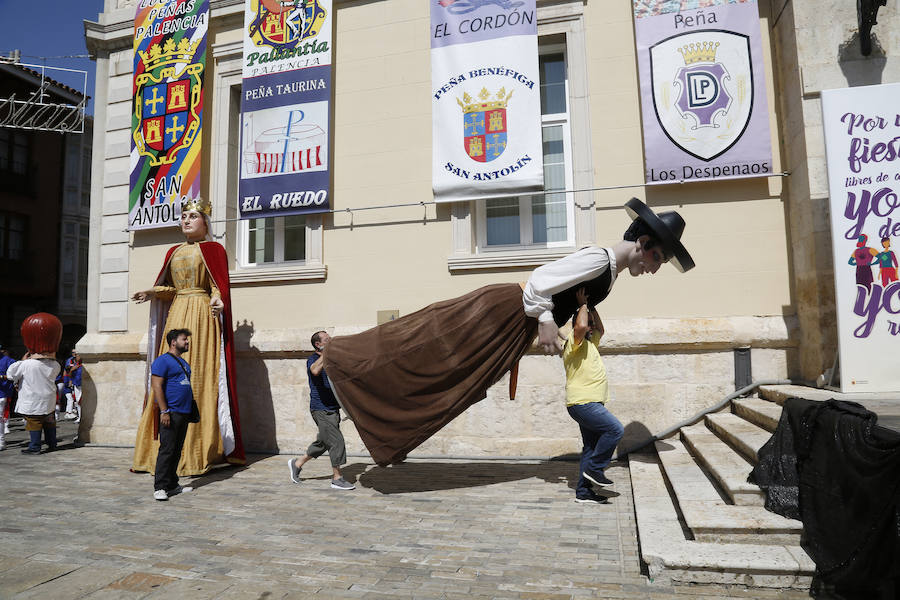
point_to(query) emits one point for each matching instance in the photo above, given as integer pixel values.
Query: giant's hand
(548, 337)
(143, 296)
(216, 306)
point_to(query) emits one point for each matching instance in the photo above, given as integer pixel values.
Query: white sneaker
(70, 416)
(160, 495)
(2, 446)
(295, 470)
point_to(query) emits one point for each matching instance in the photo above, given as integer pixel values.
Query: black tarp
(831, 466)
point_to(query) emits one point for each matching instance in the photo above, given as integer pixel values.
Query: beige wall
(682, 325)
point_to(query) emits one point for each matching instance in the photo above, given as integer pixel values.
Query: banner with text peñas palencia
(285, 108)
(169, 61)
(862, 150)
(486, 106)
(703, 92)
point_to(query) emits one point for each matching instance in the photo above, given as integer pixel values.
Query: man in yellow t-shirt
(587, 391)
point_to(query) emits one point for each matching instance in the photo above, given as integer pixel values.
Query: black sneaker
(30, 451)
(598, 478)
(591, 498)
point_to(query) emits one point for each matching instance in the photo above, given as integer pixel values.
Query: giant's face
(641, 260)
(193, 225)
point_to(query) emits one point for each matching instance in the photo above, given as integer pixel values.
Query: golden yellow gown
(189, 287)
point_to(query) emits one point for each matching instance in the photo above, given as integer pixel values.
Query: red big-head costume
(42, 333)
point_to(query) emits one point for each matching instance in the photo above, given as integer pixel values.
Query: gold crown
(700, 52)
(485, 103)
(169, 53)
(198, 204)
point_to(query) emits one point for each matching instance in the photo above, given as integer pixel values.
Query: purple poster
(703, 95)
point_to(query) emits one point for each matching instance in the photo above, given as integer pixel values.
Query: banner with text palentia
(167, 110)
(862, 149)
(703, 94)
(486, 106)
(285, 108)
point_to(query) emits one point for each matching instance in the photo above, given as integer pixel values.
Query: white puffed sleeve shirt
(552, 278)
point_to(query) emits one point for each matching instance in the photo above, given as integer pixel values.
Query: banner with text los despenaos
(285, 108)
(167, 109)
(862, 149)
(703, 93)
(486, 106)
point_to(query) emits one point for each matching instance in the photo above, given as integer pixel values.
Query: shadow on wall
(89, 404)
(257, 411)
(858, 69)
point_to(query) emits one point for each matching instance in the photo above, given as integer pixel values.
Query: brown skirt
(404, 380)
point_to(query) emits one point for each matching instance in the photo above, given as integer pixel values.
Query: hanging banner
(285, 108)
(703, 94)
(485, 104)
(862, 149)
(167, 109)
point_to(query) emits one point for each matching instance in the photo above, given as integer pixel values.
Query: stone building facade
(763, 280)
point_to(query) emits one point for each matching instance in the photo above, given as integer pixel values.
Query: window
(14, 147)
(83, 249)
(539, 220)
(274, 240)
(13, 230)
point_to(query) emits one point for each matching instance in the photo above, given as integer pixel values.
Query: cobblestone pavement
(77, 524)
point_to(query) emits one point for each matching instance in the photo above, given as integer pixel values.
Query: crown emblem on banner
(699, 52)
(201, 205)
(485, 101)
(169, 53)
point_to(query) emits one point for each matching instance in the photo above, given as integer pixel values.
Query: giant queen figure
(192, 292)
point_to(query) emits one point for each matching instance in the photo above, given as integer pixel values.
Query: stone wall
(653, 386)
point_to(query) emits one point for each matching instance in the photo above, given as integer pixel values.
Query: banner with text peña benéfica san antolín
(285, 108)
(167, 107)
(703, 93)
(486, 106)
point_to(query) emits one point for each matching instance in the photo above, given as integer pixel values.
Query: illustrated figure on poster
(404, 380)
(887, 263)
(72, 385)
(650, 8)
(862, 258)
(192, 292)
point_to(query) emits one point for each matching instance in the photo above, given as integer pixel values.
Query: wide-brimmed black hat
(667, 228)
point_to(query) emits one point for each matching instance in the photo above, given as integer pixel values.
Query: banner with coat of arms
(486, 106)
(285, 108)
(703, 93)
(167, 109)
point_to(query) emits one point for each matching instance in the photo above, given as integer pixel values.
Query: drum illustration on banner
(286, 139)
(167, 101)
(703, 90)
(484, 124)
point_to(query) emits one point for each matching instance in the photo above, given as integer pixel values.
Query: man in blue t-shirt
(326, 413)
(6, 394)
(171, 384)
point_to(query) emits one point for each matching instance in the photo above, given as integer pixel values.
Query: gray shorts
(330, 438)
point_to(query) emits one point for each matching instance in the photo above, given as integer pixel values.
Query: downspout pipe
(710, 409)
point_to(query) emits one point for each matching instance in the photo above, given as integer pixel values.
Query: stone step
(727, 467)
(708, 516)
(672, 557)
(742, 435)
(760, 412)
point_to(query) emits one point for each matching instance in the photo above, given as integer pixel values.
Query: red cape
(217, 265)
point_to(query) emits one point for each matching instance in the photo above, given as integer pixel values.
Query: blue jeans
(600, 432)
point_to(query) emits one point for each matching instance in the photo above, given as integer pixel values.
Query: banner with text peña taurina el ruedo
(167, 109)
(862, 148)
(703, 91)
(285, 108)
(486, 106)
